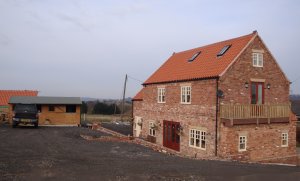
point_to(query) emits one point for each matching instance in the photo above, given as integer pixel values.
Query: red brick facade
(264, 140)
(199, 114)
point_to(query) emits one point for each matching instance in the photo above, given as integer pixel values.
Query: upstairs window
(257, 59)
(194, 57)
(161, 95)
(186, 94)
(223, 51)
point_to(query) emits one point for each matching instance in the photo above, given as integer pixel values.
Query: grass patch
(92, 118)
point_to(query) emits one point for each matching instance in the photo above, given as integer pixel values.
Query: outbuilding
(52, 110)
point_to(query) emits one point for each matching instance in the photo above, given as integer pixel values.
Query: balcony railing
(251, 111)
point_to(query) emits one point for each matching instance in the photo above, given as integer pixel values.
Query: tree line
(101, 108)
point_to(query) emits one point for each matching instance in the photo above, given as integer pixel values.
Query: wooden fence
(255, 111)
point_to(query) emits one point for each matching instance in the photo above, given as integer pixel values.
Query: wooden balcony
(254, 114)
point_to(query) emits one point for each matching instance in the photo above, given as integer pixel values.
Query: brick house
(52, 110)
(228, 99)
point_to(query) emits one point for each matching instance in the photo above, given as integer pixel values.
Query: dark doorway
(171, 138)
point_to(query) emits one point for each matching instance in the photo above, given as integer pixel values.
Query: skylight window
(194, 57)
(223, 51)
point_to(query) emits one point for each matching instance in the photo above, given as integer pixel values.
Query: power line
(296, 79)
(135, 79)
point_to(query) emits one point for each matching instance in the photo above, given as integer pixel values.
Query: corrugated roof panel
(45, 100)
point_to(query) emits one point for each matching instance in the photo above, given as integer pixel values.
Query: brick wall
(264, 141)
(232, 83)
(199, 114)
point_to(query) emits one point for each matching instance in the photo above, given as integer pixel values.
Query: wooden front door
(171, 138)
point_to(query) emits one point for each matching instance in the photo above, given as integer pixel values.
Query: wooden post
(123, 101)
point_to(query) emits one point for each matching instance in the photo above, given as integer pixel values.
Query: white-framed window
(161, 95)
(242, 143)
(258, 59)
(197, 139)
(186, 94)
(151, 129)
(284, 139)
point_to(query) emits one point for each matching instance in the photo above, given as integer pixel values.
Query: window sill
(284, 146)
(199, 148)
(242, 150)
(186, 103)
(161, 102)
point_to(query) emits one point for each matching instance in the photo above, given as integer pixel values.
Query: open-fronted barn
(52, 110)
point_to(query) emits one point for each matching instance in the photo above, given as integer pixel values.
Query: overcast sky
(85, 47)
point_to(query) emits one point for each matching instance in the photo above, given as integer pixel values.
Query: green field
(92, 118)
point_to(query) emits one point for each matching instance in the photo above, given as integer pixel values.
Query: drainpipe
(132, 118)
(217, 110)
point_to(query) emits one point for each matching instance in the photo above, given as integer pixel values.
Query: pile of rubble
(107, 138)
(117, 137)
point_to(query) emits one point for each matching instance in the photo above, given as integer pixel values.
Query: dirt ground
(49, 153)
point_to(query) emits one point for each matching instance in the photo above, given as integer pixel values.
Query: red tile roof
(138, 96)
(206, 65)
(6, 94)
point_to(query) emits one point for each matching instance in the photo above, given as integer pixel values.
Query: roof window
(224, 50)
(194, 57)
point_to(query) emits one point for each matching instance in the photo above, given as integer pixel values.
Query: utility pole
(123, 101)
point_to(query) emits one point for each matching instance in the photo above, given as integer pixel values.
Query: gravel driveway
(61, 154)
(120, 127)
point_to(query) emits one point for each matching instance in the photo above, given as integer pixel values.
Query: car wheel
(14, 125)
(36, 125)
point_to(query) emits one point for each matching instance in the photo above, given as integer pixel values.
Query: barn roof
(45, 100)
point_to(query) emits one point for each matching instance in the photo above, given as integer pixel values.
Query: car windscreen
(25, 108)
